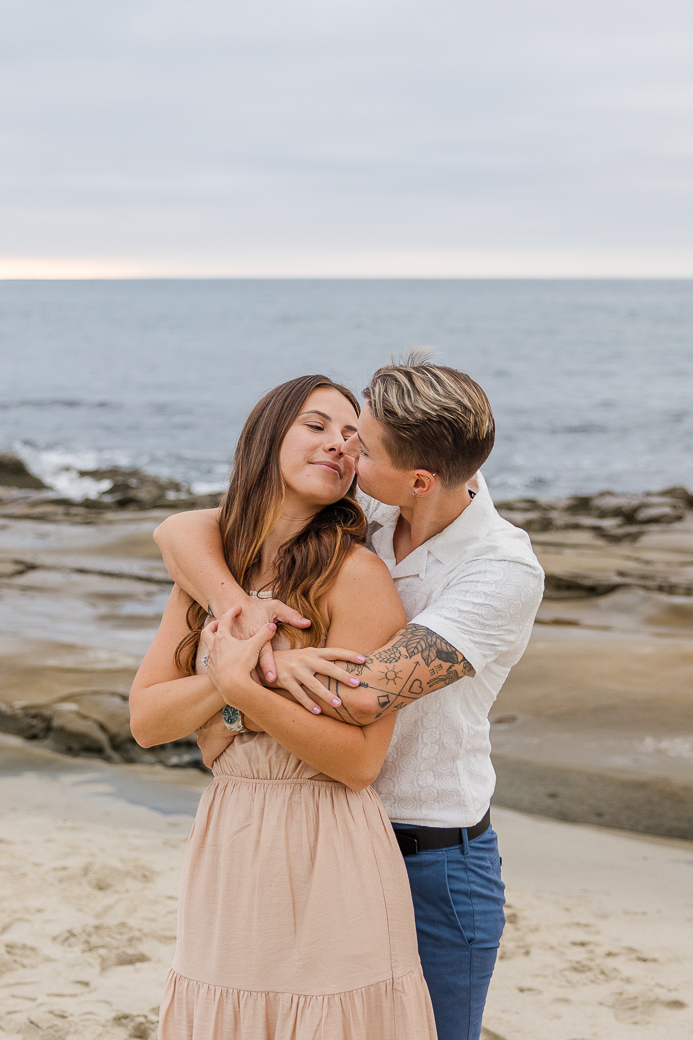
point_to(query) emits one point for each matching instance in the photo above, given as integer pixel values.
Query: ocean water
(591, 382)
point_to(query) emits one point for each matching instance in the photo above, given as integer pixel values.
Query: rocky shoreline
(594, 725)
(612, 519)
(93, 725)
(23, 494)
(610, 516)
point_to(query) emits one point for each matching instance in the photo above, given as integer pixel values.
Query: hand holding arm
(192, 550)
(166, 704)
(350, 754)
(415, 662)
(296, 675)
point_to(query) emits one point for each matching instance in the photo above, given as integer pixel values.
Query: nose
(351, 446)
(335, 446)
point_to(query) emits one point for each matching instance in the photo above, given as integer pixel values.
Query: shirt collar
(472, 523)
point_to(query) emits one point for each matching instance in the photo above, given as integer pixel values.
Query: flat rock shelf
(594, 725)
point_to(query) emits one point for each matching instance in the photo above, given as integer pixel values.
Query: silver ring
(205, 659)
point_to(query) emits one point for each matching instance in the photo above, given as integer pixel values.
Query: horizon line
(586, 277)
(384, 266)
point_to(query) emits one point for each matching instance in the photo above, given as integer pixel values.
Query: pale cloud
(377, 138)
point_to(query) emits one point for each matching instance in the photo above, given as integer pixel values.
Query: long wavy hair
(309, 562)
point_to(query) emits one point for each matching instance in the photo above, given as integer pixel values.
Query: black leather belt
(420, 839)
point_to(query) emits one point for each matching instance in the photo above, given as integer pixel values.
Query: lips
(329, 465)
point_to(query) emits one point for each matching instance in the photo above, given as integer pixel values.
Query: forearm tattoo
(417, 661)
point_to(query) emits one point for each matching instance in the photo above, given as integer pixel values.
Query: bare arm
(364, 609)
(190, 544)
(166, 704)
(191, 547)
(414, 663)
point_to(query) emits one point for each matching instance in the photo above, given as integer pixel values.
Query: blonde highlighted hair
(432, 417)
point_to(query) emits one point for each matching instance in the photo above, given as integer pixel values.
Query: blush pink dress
(295, 919)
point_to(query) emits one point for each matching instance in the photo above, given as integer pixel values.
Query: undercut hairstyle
(432, 417)
(309, 563)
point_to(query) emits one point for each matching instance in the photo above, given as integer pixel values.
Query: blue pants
(458, 903)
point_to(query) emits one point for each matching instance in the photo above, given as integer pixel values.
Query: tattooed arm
(415, 662)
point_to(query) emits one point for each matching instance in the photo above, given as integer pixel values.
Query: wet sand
(80, 604)
(595, 724)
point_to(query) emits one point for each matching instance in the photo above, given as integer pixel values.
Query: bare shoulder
(362, 567)
(363, 603)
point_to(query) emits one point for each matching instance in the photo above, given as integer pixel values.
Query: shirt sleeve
(487, 611)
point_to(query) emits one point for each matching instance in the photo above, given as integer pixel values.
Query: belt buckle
(408, 844)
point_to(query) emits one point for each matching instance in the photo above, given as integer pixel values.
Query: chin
(322, 497)
(364, 486)
(380, 494)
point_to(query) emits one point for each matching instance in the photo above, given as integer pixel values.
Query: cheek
(294, 451)
(367, 465)
(290, 445)
(365, 472)
(290, 464)
(379, 477)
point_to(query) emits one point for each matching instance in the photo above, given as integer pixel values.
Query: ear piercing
(427, 479)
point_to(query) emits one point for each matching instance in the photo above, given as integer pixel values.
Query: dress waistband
(320, 778)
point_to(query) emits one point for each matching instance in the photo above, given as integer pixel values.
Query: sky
(346, 138)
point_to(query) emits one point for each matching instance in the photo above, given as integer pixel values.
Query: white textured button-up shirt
(477, 584)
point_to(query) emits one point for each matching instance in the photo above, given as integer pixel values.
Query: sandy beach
(89, 891)
(594, 729)
(597, 945)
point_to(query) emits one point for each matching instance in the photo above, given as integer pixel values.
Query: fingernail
(271, 676)
(354, 681)
(361, 659)
(272, 626)
(316, 709)
(336, 702)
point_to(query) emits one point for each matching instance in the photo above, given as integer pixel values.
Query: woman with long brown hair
(295, 918)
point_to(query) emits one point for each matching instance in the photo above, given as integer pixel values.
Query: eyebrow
(324, 415)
